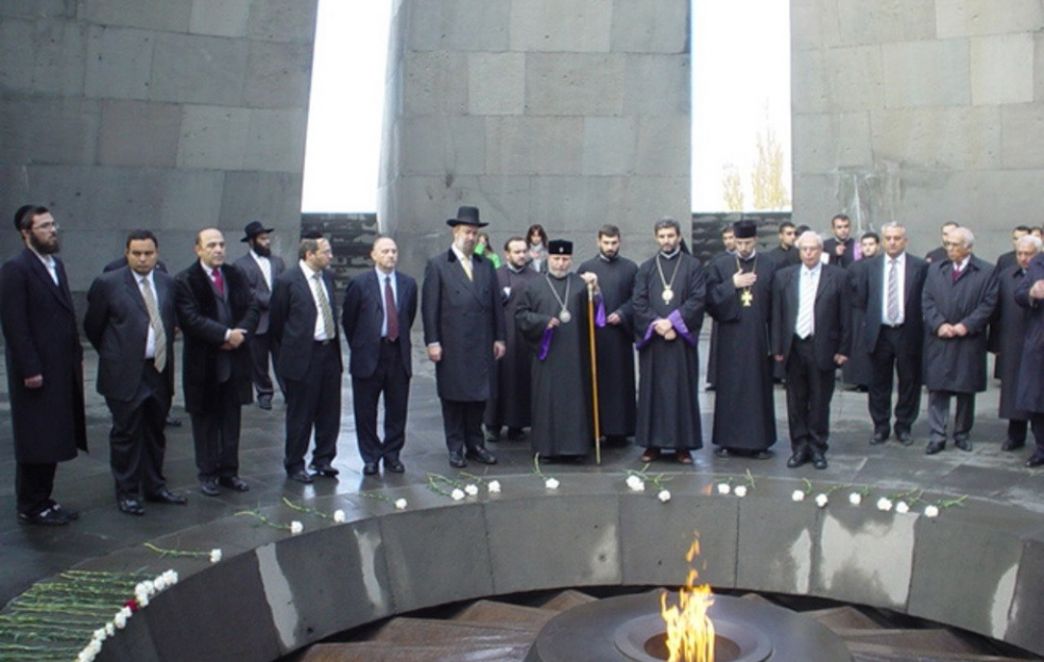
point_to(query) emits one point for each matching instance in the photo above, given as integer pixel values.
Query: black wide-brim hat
(253, 229)
(466, 216)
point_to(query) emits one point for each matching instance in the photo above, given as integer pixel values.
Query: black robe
(712, 361)
(858, 370)
(668, 387)
(1030, 395)
(744, 413)
(1007, 334)
(616, 383)
(511, 403)
(561, 391)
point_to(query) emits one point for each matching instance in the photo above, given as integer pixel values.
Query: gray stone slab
(959, 138)
(571, 200)
(276, 140)
(443, 145)
(856, 79)
(609, 145)
(198, 69)
(435, 83)
(561, 25)
(559, 541)
(189, 199)
(226, 19)
(654, 538)
(38, 8)
(1002, 69)
(533, 145)
(809, 84)
(149, 14)
(43, 56)
(136, 133)
(657, 85)
(664, 145)
(283, 20)
(119, 62)
(959, 18)
(777, 539)
(574, 84)
(272, 197)
(48, 130)
(214, 137)
(423, 574)
(459, 25)
(814, 24)
(1022, 129)
(907, 65)
(892, 20)
(1028, 603)
(659, 26)
(864, 555)
(278, 75)
(496, 83)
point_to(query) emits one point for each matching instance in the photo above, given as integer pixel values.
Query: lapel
(134, 292)
(822, 282)
(457, 271)
(307, 293)
(61, 290)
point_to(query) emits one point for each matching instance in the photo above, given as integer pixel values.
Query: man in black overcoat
(44, 367)
(261, 269)
(938, 254)
(216, 313)
(786, 253)
(465, 334)
(960, 294)
(841, 249)
(1030, 395)
(1008, 260)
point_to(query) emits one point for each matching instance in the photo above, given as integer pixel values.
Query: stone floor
(85, 484)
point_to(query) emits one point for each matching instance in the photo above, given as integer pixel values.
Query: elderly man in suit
(464, 333)
(303, 324)
(960, 294)
(1030, 395)
(130, 321)
(261, 269)
(44, 367)
(379, 308)
(811, 335)
(216, 313)
(887, 293)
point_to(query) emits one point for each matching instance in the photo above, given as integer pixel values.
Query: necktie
(893, 292)
(466, 263)
(160, 356)
(956, 273)
(806, 306)
(324, 307)
(219, 282)
(390, 311)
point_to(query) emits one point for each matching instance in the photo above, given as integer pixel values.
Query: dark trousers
(1037, 423)
(261, 347)
(809, 391)
(891, 358)
(33, 485)
(314, 403)
(391, 379)
(939, 415)
(216, 434)
(462, 422)
(136, 440)
(1017, 428)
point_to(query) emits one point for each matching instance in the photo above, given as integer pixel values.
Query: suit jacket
(1006, 261)
(831, 329)
(197, 311)
(465, 317)
(363, 314)
(262, 293)
(293, 319)
(1030, 393)
(846, 258)
(117, 324)
(868, 295)
(39, 325)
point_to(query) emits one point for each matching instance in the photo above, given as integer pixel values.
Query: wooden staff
(594, 372)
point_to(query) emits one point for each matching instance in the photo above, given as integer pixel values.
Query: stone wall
(920, 111)
(568, 113)
(166, 114)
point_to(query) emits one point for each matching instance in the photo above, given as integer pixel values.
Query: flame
(690, 632)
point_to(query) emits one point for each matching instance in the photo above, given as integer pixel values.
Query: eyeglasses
(49, 225)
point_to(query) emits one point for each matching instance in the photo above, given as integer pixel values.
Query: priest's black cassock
(668, 393)
(560, 368)
(858, 370)
(744, 414)
(616, 385)
(1008, 330)
(511, 404)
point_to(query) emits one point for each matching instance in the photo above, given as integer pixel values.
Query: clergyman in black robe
(615, 341)
(511, 403)
(858, 372)
(669, 295)
(739, 298)
(552, 317)
(728, 240)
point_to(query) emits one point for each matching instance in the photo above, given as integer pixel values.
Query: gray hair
(1029, 241)
(964, 235)
(894, 225)
(810, 236)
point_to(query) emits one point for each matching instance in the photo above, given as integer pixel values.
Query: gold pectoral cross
(747, 298)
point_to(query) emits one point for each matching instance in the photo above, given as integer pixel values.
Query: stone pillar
(164, 114)
(568, 113)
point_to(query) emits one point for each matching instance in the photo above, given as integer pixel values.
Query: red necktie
(390, 312)
(956, 273)
(219, 282)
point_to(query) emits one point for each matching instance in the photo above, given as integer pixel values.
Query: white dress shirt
(320, 330)
(807, 300)
(900, 276)
(150, 341)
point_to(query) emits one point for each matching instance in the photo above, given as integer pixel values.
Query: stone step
(568, 599)
(383, 651)
(928, 641)
(422, 631)
(503, 613)
(843, 618)
(863, 652)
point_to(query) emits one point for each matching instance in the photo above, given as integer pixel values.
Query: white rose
(400, 504)
(664, 496)
(457, 494)
(110, 629)
(172, 577)
(471, 489)
(160, 583)
(143, 600)
(902, 508)
(551, 483)
(127, 612)
(296, 528)
(635, 483)
(724, 488)
(855, 498)
(340, 517)
(493, 486)
(822, 500)
(884, 504)
(740, 491)
(215, 555)
(150, 587)
(931, 511)
(119, 620)
(797, 495)
(99, 634)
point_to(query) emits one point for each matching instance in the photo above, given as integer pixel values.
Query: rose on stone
(457, 494)
(400, 504)
(724, 488)
(664, 496)
(797, 495)
(339, 516)
(215, 555)
(493, 486)
(551, 483)
(855, 498)
(740, 491)
(471, 489)
(296, 527)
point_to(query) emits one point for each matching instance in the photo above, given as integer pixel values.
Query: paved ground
(31, 553)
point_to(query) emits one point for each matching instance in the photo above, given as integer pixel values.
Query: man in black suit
(464, 333)
(216, 313)
(1008, 260)
(810, 320)
(261, 269)
(841, 249)
(938, 254)
(785, 254)
(309, 362)
(380, 354)
(1030, 393)
(44, 367)
(887, 294)
(130, 321)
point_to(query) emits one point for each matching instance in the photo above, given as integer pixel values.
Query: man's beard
(263, 251)
(42, 248)
(610, 255)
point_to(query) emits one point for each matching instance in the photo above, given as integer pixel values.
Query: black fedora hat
(466, 216)
(254, 228)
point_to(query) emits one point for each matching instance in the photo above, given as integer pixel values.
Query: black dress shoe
(963, 444)
(1036, 460)
(721, 451)
(301, 476)
(934, 447)
(879, 437)
(172, 422)
(481, 455)
(819, 461)
(131, 506)
(49, 516)
(394, 465)
(70, 515)
(209, 487)
(233, 483)
(166, 496)
(797, 459)
(1012, 445)
(370, 469)
(264, 402)
(904, 437)
(456, 460)
(324, 470)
